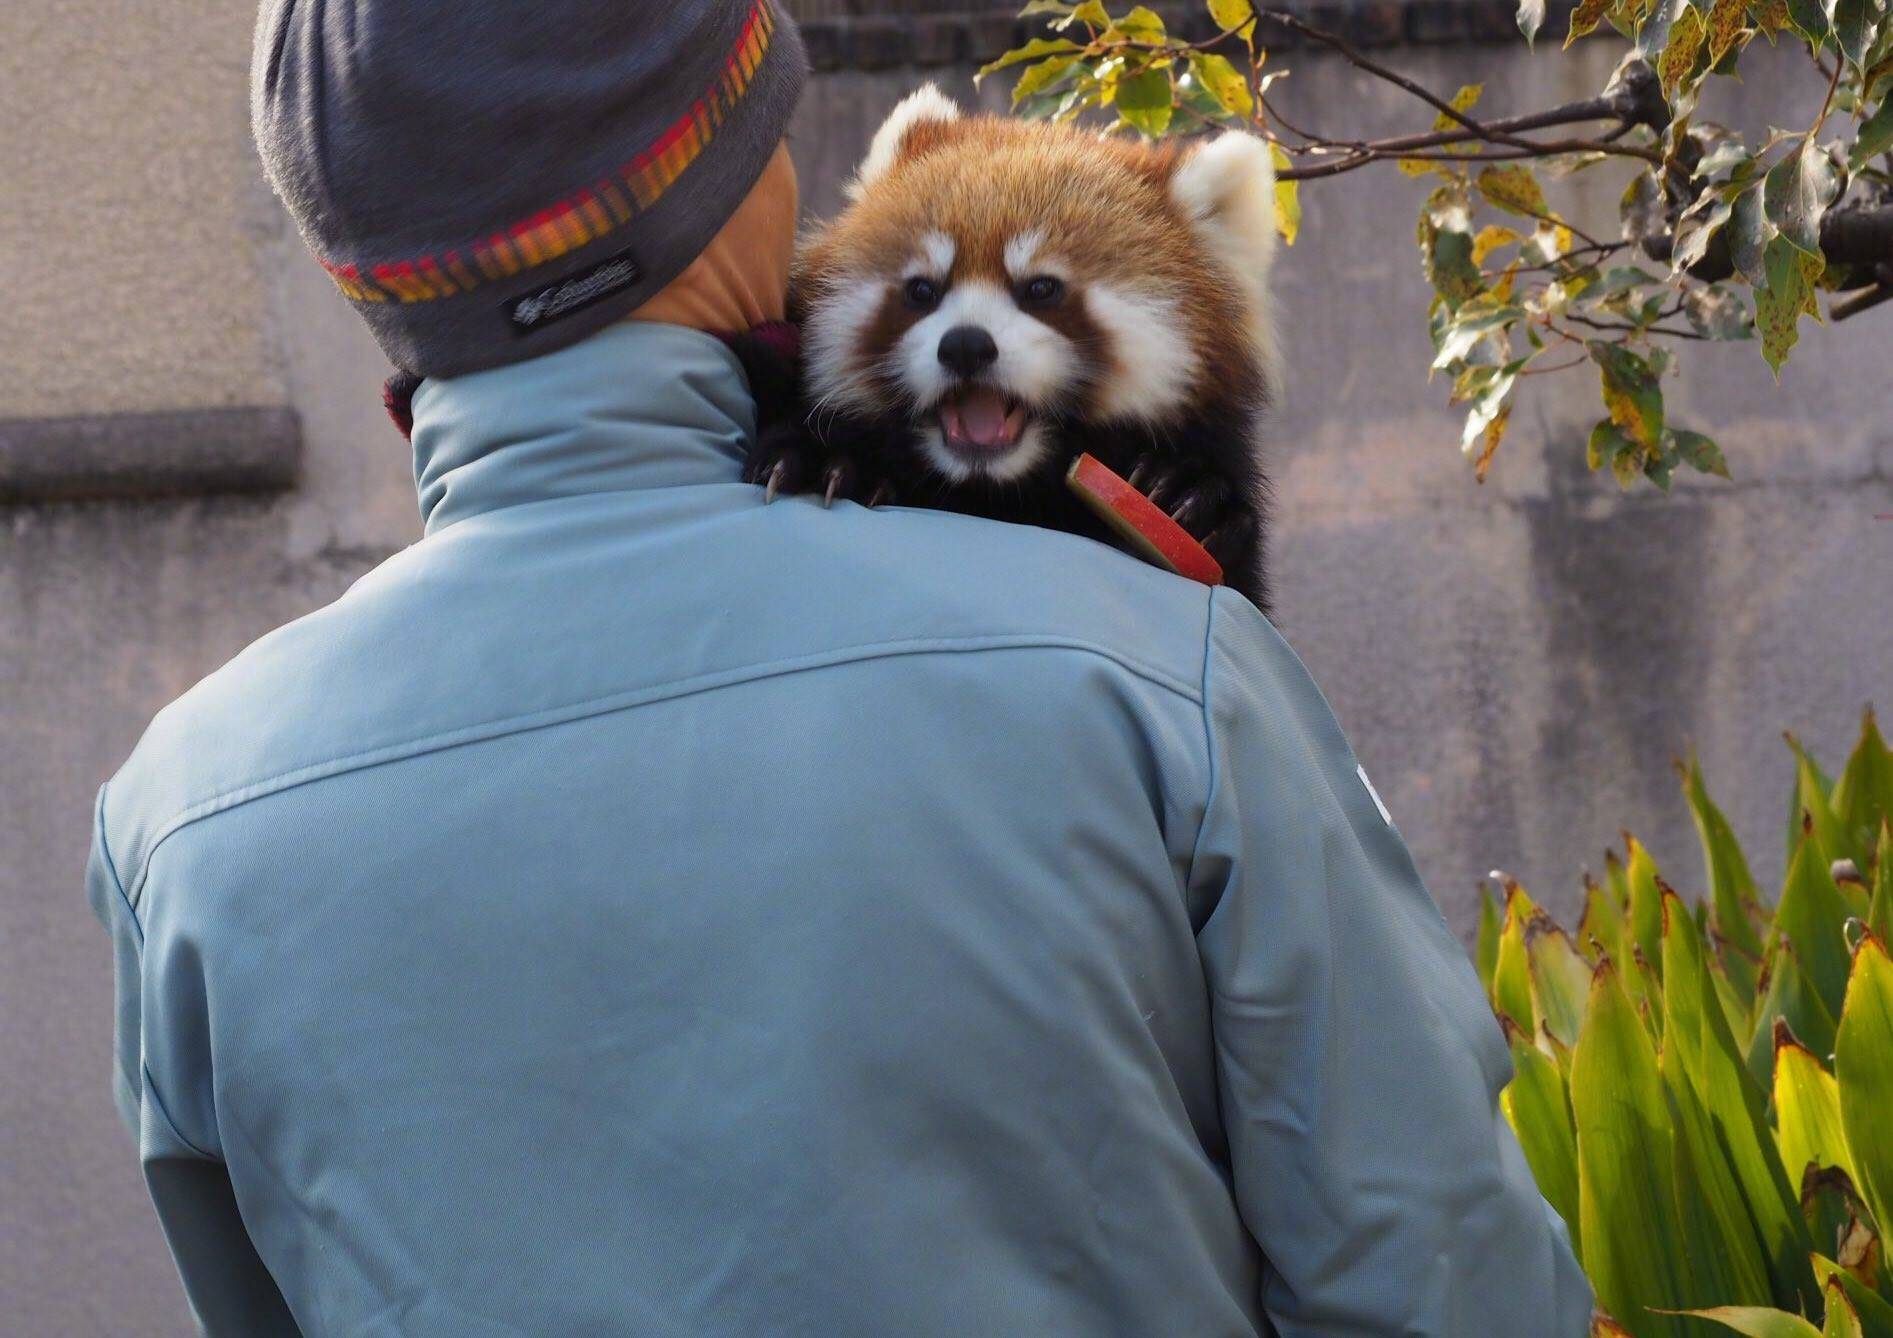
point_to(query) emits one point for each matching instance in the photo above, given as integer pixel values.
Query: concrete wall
(1515, 663)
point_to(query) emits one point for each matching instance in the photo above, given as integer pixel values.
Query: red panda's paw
(1200, 498)
(789, 460)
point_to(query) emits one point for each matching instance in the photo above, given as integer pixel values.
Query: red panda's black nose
(967, 350)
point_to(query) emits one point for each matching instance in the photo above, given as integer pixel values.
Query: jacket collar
(635, 406)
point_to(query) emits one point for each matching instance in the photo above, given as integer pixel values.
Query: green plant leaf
(1796, 193)
(1854, 26)
(1875, 136)
(1144, 24)
(1749, 233)
(1863, 797)
(1863, 1068)
(1511, 976)
(1632, 393)
(1144, 101)
(1876, 1313)
(1678, 59)
(1642, 887)
(1699, 452)
(1813, 916)
(1812, 789)
(1694, 1026)
(1759, 1321)
(1224, 82)
(1787, 995)
(1603, 924)
(1880, 909)
(1807, 1110)
(1626, 1166)
(1036, 49)
(1843, 1321)
(1718, 312)
(1037, 78)
(1537, 1104)
(1787, 296)
(1731, 887)
(1560, 979)
(1515, 190)
(1486, 954)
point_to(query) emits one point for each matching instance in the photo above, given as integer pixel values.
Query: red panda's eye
(922, 292)
(1041, 291)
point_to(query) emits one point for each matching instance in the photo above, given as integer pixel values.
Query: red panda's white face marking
(993, 279)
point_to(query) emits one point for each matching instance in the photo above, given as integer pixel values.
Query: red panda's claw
(777, 477)
(837, 479)
(883, 495)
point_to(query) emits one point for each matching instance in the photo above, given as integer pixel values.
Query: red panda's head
(992, 279)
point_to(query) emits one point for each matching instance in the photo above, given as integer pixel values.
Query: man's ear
(1226, 188)
(917, 117)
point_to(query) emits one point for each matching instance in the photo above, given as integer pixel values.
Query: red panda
(1001, 295)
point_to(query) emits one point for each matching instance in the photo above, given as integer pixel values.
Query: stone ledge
(925, 40)
(189, 452)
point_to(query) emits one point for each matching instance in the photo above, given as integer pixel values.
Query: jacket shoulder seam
(627, 699)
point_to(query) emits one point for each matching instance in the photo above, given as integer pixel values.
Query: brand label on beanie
(540, 308)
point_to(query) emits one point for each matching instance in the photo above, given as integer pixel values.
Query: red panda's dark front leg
(1222, 511)
(789, 457)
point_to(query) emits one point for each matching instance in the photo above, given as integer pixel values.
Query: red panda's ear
(1225, 188)
(915, 121)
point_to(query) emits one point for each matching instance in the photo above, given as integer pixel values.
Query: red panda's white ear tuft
(925, 105)
(1226, 188)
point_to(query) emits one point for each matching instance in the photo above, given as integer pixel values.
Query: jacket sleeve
(230, 1290)
(1359, 1064)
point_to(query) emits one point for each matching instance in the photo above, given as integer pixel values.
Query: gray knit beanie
(489, 180)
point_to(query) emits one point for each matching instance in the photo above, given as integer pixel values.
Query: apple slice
(1150, 533)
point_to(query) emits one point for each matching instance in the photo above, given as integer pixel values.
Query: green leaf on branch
(1090, 12)
(1632, 393)
(1515, 190)
(1718, 312)
(1875, 137)
(1796, 193)
(1854, 23)
(1036, 49)
(1224, 82)
(1699, 452)
(1863, 1067)
(1697, 228)
(1787, 296)
(1641, 207)
(1037, 78)
(1750, 232)
(1144, 25)
(1144, 101)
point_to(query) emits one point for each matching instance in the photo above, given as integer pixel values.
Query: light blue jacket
(638, 910)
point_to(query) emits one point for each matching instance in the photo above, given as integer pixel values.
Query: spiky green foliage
(1706, 1097)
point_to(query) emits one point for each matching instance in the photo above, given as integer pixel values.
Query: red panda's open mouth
(980, 420)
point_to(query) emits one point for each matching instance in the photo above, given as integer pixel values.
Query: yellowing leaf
(1807, 1111)
(1679, 54)
(1515, 190)
(1560, 979)
(1287, 198)
(1759, 1321)
(1489, 239)
(1585, 18)
(1231, 15)
(1728, 27)
(1224, 82)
